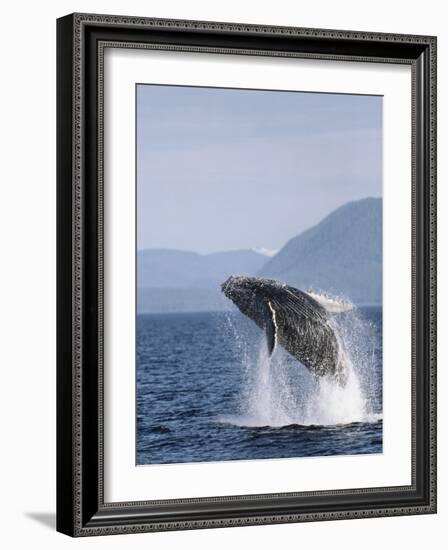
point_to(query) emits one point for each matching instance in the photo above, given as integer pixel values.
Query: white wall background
(28, 300)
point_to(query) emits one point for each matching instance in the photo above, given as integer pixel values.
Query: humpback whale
(299, 321)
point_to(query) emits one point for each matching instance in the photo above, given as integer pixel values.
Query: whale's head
(241, 288)
(252, 295)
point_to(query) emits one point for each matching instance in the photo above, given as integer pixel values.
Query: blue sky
(223, 169)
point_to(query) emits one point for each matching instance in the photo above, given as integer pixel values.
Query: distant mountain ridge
(181, 281)
(164, 268)
(341, 255)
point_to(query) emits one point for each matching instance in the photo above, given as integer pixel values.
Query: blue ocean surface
(208, 391)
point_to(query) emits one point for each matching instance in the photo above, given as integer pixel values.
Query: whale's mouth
(226, 286)
(236, 285)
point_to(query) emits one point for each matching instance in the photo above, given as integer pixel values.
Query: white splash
(334, 404)
(277, 391)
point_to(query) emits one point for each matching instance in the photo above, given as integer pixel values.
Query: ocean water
(207, 391)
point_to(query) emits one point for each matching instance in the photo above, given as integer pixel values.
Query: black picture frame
(81, 510)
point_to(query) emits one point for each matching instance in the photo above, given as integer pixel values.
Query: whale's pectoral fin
(271, 329)
(331, 305)
(270, 335)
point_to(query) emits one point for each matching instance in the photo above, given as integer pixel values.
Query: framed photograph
(246, 274)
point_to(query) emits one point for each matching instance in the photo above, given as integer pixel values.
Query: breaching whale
(299, 321)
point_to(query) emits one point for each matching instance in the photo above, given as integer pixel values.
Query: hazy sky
(221, 169)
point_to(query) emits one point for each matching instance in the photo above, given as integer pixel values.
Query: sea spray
(269, 401)
(277, 391)
(333, 404)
